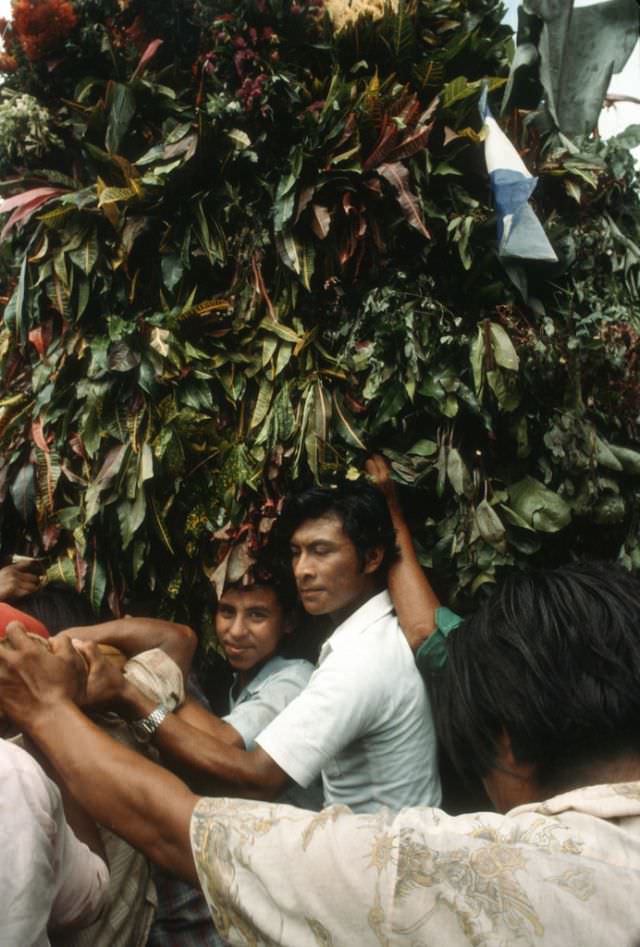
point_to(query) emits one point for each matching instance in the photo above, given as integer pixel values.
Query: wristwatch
(143, 730)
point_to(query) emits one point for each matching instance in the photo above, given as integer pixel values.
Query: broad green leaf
(503, 350)
(541, 508)
(424, 448)
(629, 459)
(86, 255)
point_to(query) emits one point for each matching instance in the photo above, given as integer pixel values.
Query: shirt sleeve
(84, 881)
(157, 675)
(250, 717)
(432, 654)
(339, 703)
(331, 878)
(51, 877)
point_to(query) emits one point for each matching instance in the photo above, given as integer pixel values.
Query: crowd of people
(308, 814)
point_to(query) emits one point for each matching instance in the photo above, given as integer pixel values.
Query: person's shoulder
(24, 775)
(15, 759)
(287, 669)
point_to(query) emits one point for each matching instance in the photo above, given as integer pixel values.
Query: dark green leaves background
(267, 248)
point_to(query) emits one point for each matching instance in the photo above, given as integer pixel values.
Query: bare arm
(201, 745)
(133, 635)
(414, 599)
(146, 805)
(194, 741)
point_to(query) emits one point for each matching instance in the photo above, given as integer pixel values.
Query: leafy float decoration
(244, 243)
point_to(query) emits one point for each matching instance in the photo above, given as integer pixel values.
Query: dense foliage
(248, 241)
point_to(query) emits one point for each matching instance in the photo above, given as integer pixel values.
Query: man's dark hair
(552, 658)
(362, 510)
(58, 606)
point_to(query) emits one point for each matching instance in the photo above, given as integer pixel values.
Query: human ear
(373, 559)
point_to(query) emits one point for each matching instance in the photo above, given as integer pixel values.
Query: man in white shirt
(364, 719)
(48, 878)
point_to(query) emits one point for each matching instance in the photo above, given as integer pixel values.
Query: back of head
(360, 507)
(552, 658)
(59, 606)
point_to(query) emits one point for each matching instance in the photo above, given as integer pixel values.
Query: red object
(8, 614)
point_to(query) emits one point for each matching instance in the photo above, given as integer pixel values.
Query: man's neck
(340, 616)
(620, 769)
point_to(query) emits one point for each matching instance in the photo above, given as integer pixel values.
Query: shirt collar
(373, 610)
(255, 684)
(607, 801)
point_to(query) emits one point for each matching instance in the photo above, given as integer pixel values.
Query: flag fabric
(520, 233)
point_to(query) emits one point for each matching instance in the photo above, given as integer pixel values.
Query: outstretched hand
(35, 679)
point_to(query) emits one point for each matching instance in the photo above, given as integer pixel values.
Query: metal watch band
(144, 729)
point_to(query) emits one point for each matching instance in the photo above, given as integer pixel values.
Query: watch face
(141, 731)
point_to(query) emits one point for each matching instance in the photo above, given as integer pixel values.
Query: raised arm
(414, 599)
(195, 742)
(133, 635)
(145, 804)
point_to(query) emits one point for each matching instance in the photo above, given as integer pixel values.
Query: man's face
(327, 570)
(249, 624)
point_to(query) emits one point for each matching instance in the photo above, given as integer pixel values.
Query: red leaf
(26, 204)
(26, 197)
(398, 177)
(37, 435)
(50, 537)
(147, 55)
(35, 337)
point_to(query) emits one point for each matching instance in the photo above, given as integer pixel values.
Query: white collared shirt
(363, 721)
(260, 701)
(266, 695)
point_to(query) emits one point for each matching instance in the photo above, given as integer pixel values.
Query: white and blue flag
(520, 233)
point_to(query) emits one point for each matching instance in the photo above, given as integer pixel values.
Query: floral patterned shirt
(563, 872)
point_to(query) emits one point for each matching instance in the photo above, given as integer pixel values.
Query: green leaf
(172, 270)
(457, 473)
(476, 357)
(86, 255)
(503, 350)
(23, 492)
(629, 459)
(540, 508)
(123, 107)
(424, 448)
(263, 402)
(111, 195)
(97, 584)
(490, 526)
